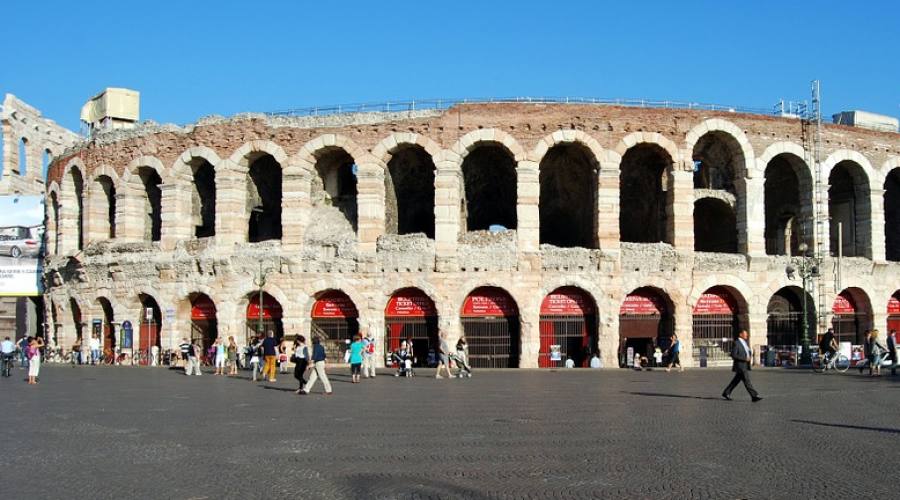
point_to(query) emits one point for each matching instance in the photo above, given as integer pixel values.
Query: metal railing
(402, 106)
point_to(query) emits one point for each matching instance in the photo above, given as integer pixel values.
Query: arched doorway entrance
(151, 324)
(893, 310)
(263, 317)
(490, 321)
(716, 321)
(204, 325)
(852, 317)
(568, 328)
(410, 314)
(335, 320)
(645, 322)
(104, 328)
(784, 323)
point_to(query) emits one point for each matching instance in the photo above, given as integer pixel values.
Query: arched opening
(645, 323)
(784, 323)
(852, 316)
(788, 205)
(715, 226)
(568, 199)
(204, 324)
(54, 211)
(489, 180)
(23, 156)
(152, 203)
(46, 159)
(716, 161)
(411, 315)
(104, 328)
(645, 195)
(849, 208)
(151, 324)
(335, 186)
(893, 310)
(568, 328)
(718, 316)
(335, 320)
(78, 187)
(409, 192)
(106, 212)
(263, 315)
(490, 321)
(892, 215)
(203, 198)
(264, 199)
(77, 319)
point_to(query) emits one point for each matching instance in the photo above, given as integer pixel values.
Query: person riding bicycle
(7, 352)
(828, 345)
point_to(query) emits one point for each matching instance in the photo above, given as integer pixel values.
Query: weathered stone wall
(315, 255)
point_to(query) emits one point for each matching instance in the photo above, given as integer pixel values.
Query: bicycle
(883, 360)
(8, 360)
(829, 361)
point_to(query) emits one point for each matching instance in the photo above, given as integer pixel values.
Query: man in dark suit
(742, 355)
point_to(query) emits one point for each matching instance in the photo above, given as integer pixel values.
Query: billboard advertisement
(21, 245)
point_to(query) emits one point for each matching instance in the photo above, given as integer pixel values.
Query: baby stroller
(404, 361)
(460, 359)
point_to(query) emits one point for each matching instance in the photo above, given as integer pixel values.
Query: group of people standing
(29, 349)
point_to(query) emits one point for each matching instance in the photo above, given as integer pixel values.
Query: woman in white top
(220, 356)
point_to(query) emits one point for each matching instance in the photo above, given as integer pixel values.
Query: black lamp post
(808, 269)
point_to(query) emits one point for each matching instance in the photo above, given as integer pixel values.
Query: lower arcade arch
(263, 315)
(151, 324)
(568, 328)
(335, 321)
(490, 323)
(104, 328)
(410, 315)
(719, 314)
(204, 321)
(893, 311)
(852, 316)
(784, 321)
(645, 323)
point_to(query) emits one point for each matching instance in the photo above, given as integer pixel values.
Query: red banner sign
(489, 302)
(271, 308)
(843, 304)
(203, 309)
(715, 301)
(334, 305)
(410, 303)
(567, 301)
(642, 303)
(893, 305)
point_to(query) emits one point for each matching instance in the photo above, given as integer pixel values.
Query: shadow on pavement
(663, 395)
(846, 426)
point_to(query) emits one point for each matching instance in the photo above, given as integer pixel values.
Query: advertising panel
(21, 245)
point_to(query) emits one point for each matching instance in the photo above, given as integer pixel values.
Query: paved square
(153, 433)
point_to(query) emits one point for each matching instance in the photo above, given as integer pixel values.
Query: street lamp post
(808, 269)
(260, 282)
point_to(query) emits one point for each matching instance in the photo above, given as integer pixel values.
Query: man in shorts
(443, 356)
(829, 344)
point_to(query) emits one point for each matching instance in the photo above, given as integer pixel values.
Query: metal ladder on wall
(812, 143)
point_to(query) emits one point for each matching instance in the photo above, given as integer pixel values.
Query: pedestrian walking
(356, 358)
(219, 346)
(318, 370)
(874, 350)
(675, 354)
(95, 349)
(22, 345)
(33, 352)
(301, 361)
(255, 352)
(742, 356)
(892, 351)
(369, 356)
(76, 351)
(462, 358)
(443, 356)
(270, 351)
(185, 349)
(193, 361)
(231, 356)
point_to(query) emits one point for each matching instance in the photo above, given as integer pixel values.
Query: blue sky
(194, 58)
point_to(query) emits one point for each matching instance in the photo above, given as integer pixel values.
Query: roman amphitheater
(540, 231)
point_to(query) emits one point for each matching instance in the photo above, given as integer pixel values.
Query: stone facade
(325, 247)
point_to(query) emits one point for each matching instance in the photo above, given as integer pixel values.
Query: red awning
(203, 309)
(334, 305)
(567, 301)
(489, 302)
(715, 301)
(642, 303)
(843, 304)
(410, 303)
(893, 305)
(271, 308)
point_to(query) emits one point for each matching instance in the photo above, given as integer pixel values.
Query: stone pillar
(757, 328)
(876, 226)
(295, 208)
(129, 216)
(751, 209)
(529, 336)
(231, 206)
(175, 216)
(608, 335)
(96, 217)
(683, 209)
(684, 328)
(527, 208)
(447, 218)
(370, 206)
(608, 207)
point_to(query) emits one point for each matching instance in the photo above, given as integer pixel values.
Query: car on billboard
(18, 241)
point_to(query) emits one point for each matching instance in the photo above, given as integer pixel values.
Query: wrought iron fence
(493, 342)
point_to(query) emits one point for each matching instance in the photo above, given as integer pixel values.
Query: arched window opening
(645, 323)
(411, 316)
(788, 205)
(714, 226)
(849, 209)
(409, 192)
(715, 162)
(152, 203)
(718, 316)
(335, 186)
(108, 207)
(264, 199)
(489, 178)
(892, 215)
(568, 208)
(204, 322)
(23, 156)
(335, 320)
(645, 182)
(203, 199)
(78, 185)
(46, 159)
(54, 210)
(784, 324)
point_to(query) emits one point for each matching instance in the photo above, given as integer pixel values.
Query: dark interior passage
(892, 215)
(715, 226)
(848, 207)
(264, 199)
(489, 176)
(568, 178)
(108, 190)
(336, 183)
(645, 195)
(78, 183)
(409, 192)
(786, 212)
(715, 162)
(152, 208)
(203, 199)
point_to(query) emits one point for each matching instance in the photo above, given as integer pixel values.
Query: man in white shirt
(742, 355)
(94, 344)
(7, 352)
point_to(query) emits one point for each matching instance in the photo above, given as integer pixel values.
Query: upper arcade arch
(788, 204)
(568, 196)
(891, 186)
(850, 209)
(646, 195)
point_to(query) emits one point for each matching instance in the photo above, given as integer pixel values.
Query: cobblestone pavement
(124, 432)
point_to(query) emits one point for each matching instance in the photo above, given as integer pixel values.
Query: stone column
(608, 207)
(447, 218)
(175, 216)
(295, 208)
(529, 336)
(876, 225)
(129, 217)
(608, 338)
(684, 328)
(751, 209)
(527, 208)
(683, 209)
(231, 206)
(370, 206)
